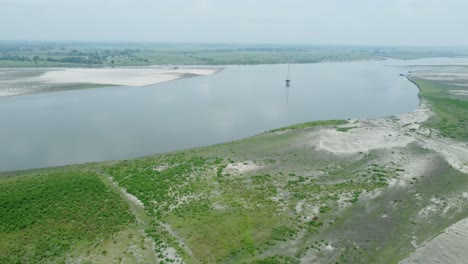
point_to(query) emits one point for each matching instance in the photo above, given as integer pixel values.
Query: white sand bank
(444, 76)
(452, 78)
(448, 247)
(121, 76)
(459, 92)
(390, 133)
(242, 167)
(365, 135)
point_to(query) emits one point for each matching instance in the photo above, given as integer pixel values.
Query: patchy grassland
(451, 117)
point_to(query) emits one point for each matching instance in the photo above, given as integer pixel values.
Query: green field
(452, 111)
(46, 214)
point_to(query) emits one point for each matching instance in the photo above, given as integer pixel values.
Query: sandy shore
(448, 247)
(452, 78)
(120, 76)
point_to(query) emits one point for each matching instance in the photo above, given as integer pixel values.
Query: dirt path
(138, 210)
(135, 205)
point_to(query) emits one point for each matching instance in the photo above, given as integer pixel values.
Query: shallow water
(78, 126)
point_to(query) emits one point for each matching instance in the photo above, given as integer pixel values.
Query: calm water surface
(123, 122)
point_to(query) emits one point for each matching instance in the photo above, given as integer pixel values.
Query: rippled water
(78, 126)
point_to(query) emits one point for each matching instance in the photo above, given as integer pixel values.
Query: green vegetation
(411, 53)
(239, 216)
(180, 194)
(276, 260)
(452, 112)
(344, 129)
(124, 54)
(30, 54)
(67, 55)
(311, 124)
(45, 215)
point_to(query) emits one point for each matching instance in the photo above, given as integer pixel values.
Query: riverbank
(359, 191)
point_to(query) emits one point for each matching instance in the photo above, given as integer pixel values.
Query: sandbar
(122, 76)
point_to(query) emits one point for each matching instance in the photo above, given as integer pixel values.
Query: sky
(321, 22)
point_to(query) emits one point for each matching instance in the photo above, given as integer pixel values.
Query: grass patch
(344, 129)
(311, 124)
(277, 260)
(42, 217)
(242, 223)
(451, 113)
(220, 218)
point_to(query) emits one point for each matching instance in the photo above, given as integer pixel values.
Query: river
(78, 126)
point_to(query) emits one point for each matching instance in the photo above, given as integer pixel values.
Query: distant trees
(14, 58)
(76, 59)
(36, 59)
(61, 55)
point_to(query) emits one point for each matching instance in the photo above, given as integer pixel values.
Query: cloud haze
(371, 22)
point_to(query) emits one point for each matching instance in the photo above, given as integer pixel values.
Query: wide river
(79, 126)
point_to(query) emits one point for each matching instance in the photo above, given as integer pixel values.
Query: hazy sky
(371, 22)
